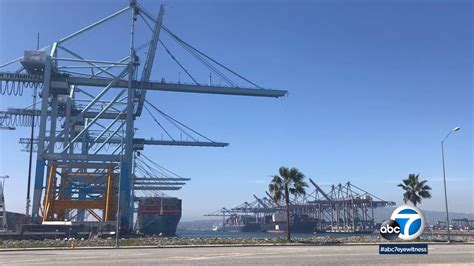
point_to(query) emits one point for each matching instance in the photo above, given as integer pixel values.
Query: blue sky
(374, 86)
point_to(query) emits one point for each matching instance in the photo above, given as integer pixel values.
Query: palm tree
(415, 190)
(289, 182)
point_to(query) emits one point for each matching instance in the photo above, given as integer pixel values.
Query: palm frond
(406, 182)
(426, 187)
(402, 186)
(284, 172)
(275, 192)
(291, 179)
(276, 188)
(277, 180)
(415, 189)
(425, 194)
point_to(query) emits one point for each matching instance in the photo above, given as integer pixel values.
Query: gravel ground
(167, 241)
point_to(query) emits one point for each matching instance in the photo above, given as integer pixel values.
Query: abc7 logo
(407, 223)
(390, 230)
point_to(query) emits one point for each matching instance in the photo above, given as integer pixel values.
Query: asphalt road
(279, 255)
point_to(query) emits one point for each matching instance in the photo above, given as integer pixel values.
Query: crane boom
(260, 201)
(320, 190)
(62, 82)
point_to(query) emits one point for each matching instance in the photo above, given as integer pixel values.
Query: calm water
(213, 234)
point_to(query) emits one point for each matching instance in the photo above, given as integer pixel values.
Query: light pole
(30, 162)
(444, 180)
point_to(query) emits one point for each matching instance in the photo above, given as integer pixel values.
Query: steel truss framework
(68, 190)
(86, 122)
(345, 208)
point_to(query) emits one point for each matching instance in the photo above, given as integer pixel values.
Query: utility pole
(30, 163)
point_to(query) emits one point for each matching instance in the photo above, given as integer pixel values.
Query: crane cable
(171, 54)
(207, 64)
(177, 62)
(199, 54)
(206, 56)
(162, 167)
(167, 116)
(159, 124)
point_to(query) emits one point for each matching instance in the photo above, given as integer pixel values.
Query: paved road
(323, 255)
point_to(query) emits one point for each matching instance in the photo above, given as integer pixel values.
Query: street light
(444, 179)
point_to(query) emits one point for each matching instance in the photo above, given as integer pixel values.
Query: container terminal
(88, 169)
(345, 208)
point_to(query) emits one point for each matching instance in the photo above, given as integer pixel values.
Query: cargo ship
(235, 224)
(249, 227)
(277, 223)
(158, 215)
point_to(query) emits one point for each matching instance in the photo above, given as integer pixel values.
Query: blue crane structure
(88, 159)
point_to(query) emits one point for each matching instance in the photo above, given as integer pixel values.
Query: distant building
(462, 224)
(14, 220)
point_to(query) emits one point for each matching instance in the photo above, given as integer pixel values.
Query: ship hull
(158, 216)
(161, 225)
(251, 227)
(282, 227)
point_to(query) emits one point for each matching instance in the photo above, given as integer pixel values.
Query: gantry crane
(346, 208)
(88, 105)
